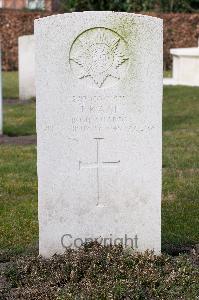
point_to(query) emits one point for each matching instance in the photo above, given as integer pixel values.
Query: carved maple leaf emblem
(99, 57)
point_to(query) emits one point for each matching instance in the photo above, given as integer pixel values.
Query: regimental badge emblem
(99, 56)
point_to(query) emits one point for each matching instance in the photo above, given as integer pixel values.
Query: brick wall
(14, 4)
(12, 25)
(180, 30)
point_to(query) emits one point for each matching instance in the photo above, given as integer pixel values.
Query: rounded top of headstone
(99, 14)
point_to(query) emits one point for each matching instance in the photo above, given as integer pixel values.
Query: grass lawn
(180, 207)
(10, 85)
(18, 197)
(19, 118)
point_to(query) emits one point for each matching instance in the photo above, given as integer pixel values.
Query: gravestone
(186, 66)
(99, 103)
(26, 67)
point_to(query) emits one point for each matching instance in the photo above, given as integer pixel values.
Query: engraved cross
(98, 164)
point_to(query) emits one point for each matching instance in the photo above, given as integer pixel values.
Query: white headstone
(99, 105)
(186, 66)
(26, 51)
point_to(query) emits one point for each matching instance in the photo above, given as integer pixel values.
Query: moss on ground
(99, 272)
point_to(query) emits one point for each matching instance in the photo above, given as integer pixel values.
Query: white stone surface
(26, 67)
(99, 106)
(1, 98)
(186, 66)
